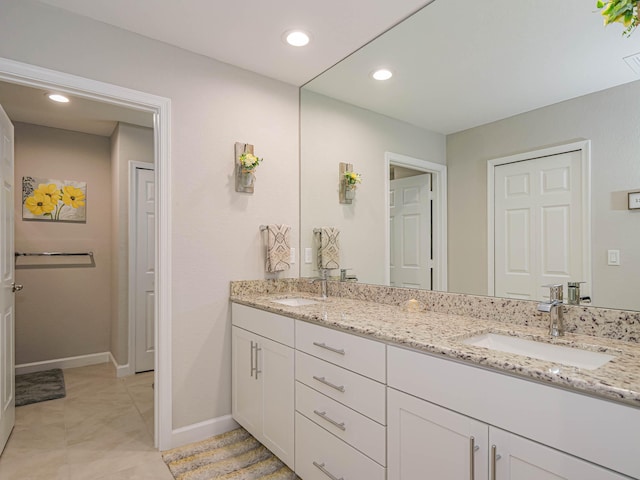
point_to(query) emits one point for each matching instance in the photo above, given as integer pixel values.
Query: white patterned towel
(329, 248)
(278, 250)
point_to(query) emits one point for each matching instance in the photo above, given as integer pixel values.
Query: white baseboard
(199, 431)
(69, 362)
(121, 370)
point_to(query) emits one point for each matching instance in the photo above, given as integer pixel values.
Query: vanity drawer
(360, 393)
(364, 434)
(267, 324)
(320, 455)
(358, 354)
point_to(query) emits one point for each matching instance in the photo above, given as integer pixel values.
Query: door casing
(584, 147)
(46, 79)
(438, 220)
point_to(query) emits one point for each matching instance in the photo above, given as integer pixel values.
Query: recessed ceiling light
(297, 38)
(382, 74)
(56, 97)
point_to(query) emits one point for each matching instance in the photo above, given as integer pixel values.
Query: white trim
(585, 148)
(25, 74)
(132, 240)
(439, 218)
(69, 362)
(121, 370)
(200, 431)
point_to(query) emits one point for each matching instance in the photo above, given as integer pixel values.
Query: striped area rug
(234, 455)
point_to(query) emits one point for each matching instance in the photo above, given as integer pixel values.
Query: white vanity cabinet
(428, 441)
(340, 405)
(263, 378)
(550, 427)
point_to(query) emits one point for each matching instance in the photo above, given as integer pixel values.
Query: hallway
(102, 429)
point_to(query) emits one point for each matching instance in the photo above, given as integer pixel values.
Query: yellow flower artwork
(54, 200)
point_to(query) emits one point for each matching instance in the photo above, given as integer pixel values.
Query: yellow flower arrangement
(249, 161)
(352, 178)
(49, 199)
(620, 11)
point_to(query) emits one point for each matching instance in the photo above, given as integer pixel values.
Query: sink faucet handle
(555, 291)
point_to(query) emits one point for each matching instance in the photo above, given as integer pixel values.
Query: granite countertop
(441, 334)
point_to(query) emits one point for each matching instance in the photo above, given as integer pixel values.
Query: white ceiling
(245, 33)
(248, 33)
(463, 63)
(31, 105)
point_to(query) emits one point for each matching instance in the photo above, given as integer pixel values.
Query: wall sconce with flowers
(245, 164)
(348, 182)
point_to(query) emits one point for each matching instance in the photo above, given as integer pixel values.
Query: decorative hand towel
(278, 249)
(329, 248)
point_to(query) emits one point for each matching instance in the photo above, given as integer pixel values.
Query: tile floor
(102, 429)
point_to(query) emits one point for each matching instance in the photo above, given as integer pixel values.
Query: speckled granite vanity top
(442, 334)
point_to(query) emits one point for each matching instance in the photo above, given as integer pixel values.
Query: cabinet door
(428, 441)
(520, 459)
(276, 374)
(246, 390)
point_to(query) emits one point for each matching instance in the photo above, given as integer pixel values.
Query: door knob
(16, 287)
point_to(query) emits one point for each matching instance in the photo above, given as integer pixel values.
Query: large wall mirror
(489, 102)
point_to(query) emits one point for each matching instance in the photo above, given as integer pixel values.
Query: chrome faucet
(344, 277)
(554, 308)
(573, 294)
(323, 282)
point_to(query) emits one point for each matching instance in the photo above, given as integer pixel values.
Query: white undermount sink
(575, 357)
(295, 302)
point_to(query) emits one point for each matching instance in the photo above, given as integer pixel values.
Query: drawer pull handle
(472, 462)
(494, 458)
(320, 467)
(340, 388)
(252, 360)
(339, 351)
(323, 415)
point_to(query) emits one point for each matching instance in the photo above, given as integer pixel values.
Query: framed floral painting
(54, 200)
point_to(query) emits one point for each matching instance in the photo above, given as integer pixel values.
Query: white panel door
(410, 232)
(7, 302)
(538, 225)
(428, 441)
(522, 459)
(145, 270)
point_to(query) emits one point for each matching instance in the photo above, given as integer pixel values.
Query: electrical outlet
(307, 255)
(292, 255)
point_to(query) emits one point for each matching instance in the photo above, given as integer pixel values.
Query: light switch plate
(307, 255)
(613, 257)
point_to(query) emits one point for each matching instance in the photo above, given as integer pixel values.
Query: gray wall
(334, 132)
(63, 312)
(611, 120)
(214, 230)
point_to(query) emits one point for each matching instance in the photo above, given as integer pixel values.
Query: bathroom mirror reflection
(499, 85)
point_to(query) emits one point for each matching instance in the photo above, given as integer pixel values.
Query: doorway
(430, 252)
(29, 75)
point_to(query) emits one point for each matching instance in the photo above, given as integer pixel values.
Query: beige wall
(63, 312)
(214, 230)
(611, 120)
(334, 132)
(128, 143)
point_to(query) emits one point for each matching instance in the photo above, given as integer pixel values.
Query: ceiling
(248, 33)
(461, 63)
(245, 33)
